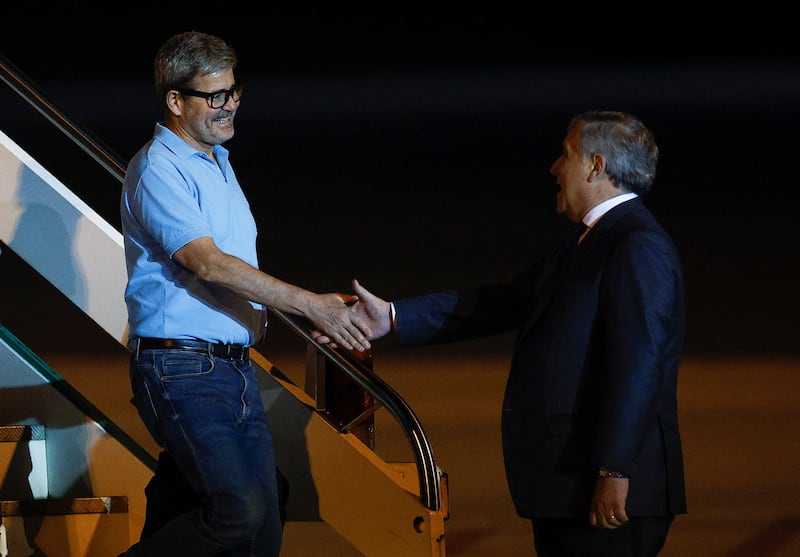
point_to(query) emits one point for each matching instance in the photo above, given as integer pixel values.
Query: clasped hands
(364, 317)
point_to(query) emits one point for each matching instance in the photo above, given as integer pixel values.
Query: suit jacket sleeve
(642, 288)
(466, 313)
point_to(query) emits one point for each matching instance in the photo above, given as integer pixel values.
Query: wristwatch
(601, 473)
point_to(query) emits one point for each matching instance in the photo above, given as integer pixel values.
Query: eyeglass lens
(221, 98)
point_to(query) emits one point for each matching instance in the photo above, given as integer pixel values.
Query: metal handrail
(430, 494)
(25, 88)
(395, 404)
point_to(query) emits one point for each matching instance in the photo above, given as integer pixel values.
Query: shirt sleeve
(168, 207)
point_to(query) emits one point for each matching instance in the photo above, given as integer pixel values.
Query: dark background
(411, 150)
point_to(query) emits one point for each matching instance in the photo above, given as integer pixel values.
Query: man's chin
(224, 132)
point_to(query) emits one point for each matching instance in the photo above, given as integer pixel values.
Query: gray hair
(189, 55)
(626, 144)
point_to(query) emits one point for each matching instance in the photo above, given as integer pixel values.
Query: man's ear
(597, 167)
(174, 102)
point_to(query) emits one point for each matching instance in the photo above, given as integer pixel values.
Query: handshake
(350, 321)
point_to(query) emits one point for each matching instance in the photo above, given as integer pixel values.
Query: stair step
(77, 505)
(33, 524)
(79, 527)
(19, 433)
(23, 462)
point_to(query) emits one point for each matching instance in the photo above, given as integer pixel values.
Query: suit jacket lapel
(567, 259)
(553, 273)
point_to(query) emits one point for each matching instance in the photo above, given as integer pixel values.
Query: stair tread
(74, 505)
(17, 433)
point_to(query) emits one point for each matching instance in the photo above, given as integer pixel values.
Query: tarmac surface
(739, 415)
(416, 180)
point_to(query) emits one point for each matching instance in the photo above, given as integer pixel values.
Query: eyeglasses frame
(237, 87)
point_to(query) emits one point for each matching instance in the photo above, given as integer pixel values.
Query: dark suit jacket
(594, 374)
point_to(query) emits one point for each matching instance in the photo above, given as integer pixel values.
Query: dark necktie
(577, 232)
(571, 242)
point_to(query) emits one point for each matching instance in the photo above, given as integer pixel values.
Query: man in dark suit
(590, 428)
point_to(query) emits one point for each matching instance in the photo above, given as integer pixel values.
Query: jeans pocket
(177, 365)
(141, 373)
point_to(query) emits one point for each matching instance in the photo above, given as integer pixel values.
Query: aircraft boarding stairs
(72, 480)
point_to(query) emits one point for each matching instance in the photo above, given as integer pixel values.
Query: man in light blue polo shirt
(196, 301)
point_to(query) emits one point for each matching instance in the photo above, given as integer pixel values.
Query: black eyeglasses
(218, 99)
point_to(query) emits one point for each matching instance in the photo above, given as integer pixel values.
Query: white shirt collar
(594, 214)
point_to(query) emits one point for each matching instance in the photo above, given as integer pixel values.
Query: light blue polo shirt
(174, 194)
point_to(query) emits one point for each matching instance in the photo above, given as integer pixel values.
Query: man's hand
(370, 314)
(372, 310)
(337, 323)
(608, 503)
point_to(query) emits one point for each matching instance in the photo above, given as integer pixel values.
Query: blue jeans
(207, 414)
